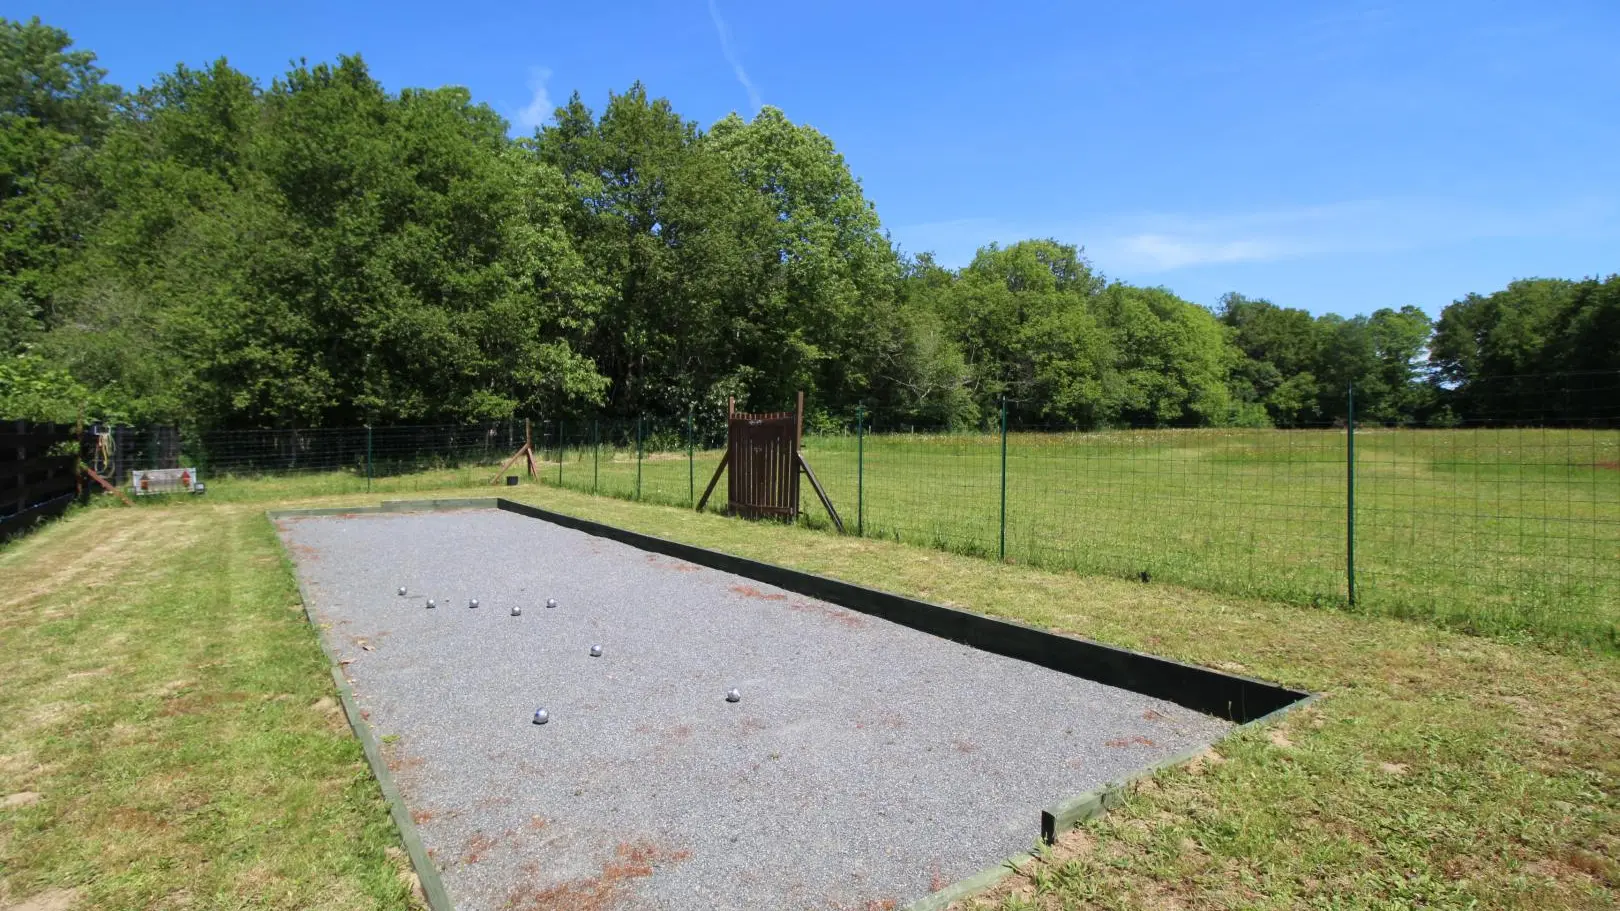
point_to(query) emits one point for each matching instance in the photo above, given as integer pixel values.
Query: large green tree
(627, 172)
(1038, 327)
(1279, 351)
(172, 191)
(1525, 353)
(922, 377)
(1021, 315)
(746, 261)
(1171, 360)
(818, 276)
(54, 107)
(325, 252)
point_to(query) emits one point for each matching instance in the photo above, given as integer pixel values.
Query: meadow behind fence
(1492, 527)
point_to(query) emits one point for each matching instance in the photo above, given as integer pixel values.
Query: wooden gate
(764, 479)
(762, 451)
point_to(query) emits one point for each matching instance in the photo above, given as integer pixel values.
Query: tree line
(321, 251)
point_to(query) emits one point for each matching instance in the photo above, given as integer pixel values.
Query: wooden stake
(105, 486)
(78, 449)
(521, 453)
(718, 471)
(528, 447)
(825, 500)
(798, 421)
(798, 435)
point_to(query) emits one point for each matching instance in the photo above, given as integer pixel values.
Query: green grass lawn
(172, 711)
(1504, 532)
(171, 724)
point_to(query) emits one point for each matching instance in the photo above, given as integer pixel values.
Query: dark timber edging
(388, 506)
(427, 875)
(1237, 699)
(1243, 700)
(1067, 814)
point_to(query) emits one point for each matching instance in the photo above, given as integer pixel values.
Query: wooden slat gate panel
(763, 455)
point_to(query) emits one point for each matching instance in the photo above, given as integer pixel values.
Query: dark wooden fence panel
(38, 473)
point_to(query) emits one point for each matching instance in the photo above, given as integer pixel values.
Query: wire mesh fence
(1502, 518)
(1504, 522)
(657, 460)
(1253, 512)
(323, 460)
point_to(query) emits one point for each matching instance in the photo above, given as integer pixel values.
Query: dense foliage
(319, 251)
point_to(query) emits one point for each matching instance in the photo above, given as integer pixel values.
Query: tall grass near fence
(1492, 530)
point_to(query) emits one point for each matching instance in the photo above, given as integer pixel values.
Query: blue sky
(1336, 157)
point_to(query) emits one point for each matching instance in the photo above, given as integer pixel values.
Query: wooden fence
(38, 473)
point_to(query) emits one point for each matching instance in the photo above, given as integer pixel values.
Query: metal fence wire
(1504, 518)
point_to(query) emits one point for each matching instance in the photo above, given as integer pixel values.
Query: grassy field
(170, 712)
(1504, 532)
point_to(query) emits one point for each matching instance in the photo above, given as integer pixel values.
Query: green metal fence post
(596, 451)
(559, 451)
(1350, 492)
(638, 457)
(1003, 547)
(860, 472)
(368, 458)
(691, 466)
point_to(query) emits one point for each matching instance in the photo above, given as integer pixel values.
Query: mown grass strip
(166, 699)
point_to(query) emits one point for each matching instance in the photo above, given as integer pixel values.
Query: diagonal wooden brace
(105, 486)
(718, 471)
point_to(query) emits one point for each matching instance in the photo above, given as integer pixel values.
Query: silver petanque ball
(473, 603)
(596, 651)
(402, 591)
(432, 603)
(517, 610)
(541, 716)
(551, 602)
(733, 696)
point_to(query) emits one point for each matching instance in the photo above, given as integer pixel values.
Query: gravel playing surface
(866, 762)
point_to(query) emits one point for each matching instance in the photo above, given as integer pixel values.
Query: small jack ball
(517, 610)
(541, 716)
(432, 603)
(596, 651)
(733, 696)
(473, 603)
(551, 602)
(402, 591)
